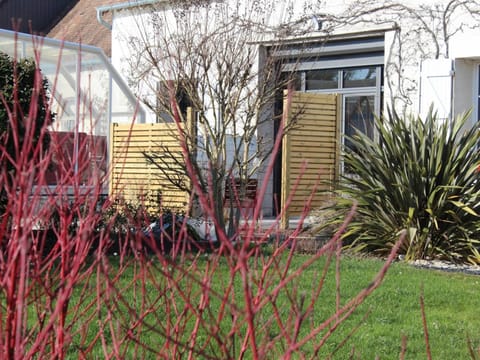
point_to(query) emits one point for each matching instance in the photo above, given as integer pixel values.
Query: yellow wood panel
(326, 126)
(145, 142)
(320, 174)
(325, 151)
(311, 139)
(308, 112)
(132, 177)
(312, 169)
(310, 133)
(139, 157)
(309, 136)
(306, 157)
(307, 177)
(138, 138)
(311, 157)
(312, 99)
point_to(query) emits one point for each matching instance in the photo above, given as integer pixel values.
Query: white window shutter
(436, 87)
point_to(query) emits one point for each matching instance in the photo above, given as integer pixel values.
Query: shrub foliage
(421, 175)
(24, 112)
(20, 81)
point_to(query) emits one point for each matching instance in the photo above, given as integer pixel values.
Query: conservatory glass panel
(87, 95)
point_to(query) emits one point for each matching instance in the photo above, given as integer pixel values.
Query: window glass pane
(360, 77)
(322, 79)
(71, 148)
(359, 116)
(294, 79)
(163, 109)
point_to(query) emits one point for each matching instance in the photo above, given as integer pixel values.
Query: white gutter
(101, 10)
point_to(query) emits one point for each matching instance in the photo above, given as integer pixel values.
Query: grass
(451, 301)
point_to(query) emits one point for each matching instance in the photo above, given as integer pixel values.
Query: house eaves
(322, 37)
(101, 10)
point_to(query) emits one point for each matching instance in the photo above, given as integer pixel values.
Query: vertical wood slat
(285, 181)
(311, 139)
(132, 177)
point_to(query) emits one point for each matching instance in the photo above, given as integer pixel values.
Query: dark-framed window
(478, 94)
(163, 105)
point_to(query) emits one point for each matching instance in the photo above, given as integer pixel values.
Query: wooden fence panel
(134, 178)
(310, 153)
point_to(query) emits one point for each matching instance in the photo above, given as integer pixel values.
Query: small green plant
(420, 176)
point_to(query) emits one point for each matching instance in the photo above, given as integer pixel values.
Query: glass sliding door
(358, 116)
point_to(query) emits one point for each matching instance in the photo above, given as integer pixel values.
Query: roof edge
(327, 36)
(122, 6)
(42, 39)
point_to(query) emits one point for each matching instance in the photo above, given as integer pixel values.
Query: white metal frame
(53, 60)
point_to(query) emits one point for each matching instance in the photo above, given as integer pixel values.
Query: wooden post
(338, 137)
(191, 139)
(111, 158)
(285, 188)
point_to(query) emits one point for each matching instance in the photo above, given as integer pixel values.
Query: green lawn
(451, 301)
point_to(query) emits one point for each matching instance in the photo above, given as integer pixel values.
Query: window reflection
(182, 97)
(291, 79)
(359, 116)
(360, 77)
(322, 79)
(75, 157)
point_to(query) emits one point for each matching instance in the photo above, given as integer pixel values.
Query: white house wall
(418, 38)
(465, 87)
(414, 38)
(126, 29)
(133, 28)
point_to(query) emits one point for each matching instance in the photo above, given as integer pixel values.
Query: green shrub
(24, 114)
(421, 176)
(20, 95)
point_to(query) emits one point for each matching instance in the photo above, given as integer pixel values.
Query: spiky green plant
(421, 175)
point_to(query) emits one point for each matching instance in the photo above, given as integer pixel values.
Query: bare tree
(207, 56)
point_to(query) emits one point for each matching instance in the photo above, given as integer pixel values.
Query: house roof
(32, 15)
(80, 25)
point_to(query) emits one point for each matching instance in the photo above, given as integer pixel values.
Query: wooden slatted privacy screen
(133, 178)
(312, 137)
